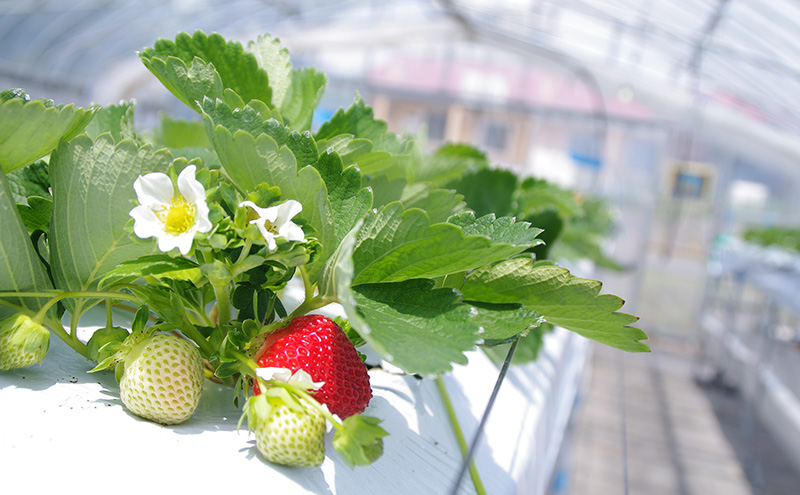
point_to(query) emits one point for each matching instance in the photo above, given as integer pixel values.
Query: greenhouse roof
(741, 54)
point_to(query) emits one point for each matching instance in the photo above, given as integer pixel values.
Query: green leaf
(527, 349)
(237, 69)
(274, 60)
(384, 191)
(30, 130)
(20, 267)
(309, 189)
(302, 98)
(33, 180)
(256, 122)
(381, 163)
(414, 326)
(190, 80)
(249, 161)
(395, 245)
(536, 195)
(36, 214)
(474, 186)
(450, 163)
(346, 147)
(359, 441)
(439, 204)
(349, 201)
(92, 197)
(502, 322)
(504, 230)
(359, 121)
(173, 133)
(117, 120)
(570, 302)
(336, 276)
(155, 264)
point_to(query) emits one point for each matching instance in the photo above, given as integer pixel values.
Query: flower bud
(23, 342)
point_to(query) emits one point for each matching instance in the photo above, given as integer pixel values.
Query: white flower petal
(269, 214)
(287, 211)
(191, 189)
(291, 232)
(145, 222)
(153, 189)
(301, 377)
(184, 241)
(279, 374)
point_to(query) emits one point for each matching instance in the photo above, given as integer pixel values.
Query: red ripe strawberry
(318, 346)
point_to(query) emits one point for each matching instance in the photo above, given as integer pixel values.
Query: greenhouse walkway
(645, 425)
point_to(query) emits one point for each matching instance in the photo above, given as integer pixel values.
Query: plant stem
(194, 334)
(78, 294)
(245, 251)
(462, 442)
(223, 303)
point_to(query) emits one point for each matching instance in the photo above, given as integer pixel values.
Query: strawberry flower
(172, 216)
(276, 221)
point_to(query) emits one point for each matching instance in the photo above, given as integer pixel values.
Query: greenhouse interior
(562, 236)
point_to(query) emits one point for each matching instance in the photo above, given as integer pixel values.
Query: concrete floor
(645, 426)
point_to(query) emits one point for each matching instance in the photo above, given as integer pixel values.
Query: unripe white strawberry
(162, 379)
(23, 342)
(286, 435)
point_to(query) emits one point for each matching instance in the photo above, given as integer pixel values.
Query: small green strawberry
(291, 436)
(162, 379)
(23, 342)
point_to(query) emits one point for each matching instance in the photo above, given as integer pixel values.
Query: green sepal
(104, 343)
(359, 441)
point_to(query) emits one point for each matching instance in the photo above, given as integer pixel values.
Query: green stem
(78, 294)
(462, 442)
(193, 333)
(223, 303)
(245, 251)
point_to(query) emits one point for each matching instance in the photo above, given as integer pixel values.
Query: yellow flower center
(179, 216)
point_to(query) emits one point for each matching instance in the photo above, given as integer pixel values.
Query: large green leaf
(174, 133)
(93, 195)
(570, 302)
(250, 161)
(20, 267)
(396, 244)
(275, 61)
(536, 195)
(349, 201)
(33, 180)
(31, 129)
(450, 163)
(439, 204)
(251, 119)
(117, 120)
(502, 322)
(475, 184)
(505, 230)
(359, 121)
(190, 81)
(237, 68)
(302, 98)
(416, 327)
(309, 189)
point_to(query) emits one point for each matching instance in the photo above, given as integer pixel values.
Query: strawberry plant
(199, 226)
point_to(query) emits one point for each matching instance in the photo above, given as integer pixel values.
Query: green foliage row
(429, 255)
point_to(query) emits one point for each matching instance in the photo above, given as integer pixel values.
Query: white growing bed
(64, 428)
